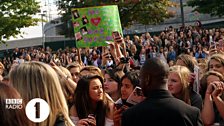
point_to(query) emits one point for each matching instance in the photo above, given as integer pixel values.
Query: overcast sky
(36, 31)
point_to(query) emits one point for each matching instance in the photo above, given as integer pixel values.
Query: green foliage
(213, 7)
(144, 12)
(131, 11)
(16, 14)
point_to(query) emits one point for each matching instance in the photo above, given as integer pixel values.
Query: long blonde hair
(67, 88)
(184, 74)
(39, 80)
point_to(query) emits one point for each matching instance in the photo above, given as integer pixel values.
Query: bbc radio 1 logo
(37, 109)
(13, 103)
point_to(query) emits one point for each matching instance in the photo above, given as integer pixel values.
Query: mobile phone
(91, 115)
(118, 105)
(213, 45)
(115, 34)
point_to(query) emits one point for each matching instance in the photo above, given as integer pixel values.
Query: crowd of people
(84, 86)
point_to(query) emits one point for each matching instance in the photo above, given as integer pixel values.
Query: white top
(108, 122)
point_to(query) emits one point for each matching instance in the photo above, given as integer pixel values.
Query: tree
(213, 7)
(16, 14)
(131, 11)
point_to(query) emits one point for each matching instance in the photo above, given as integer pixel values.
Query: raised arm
(219, 102)
(207, 114)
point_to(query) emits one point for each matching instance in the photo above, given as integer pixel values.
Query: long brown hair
(11, 117)
(83, 102)
(188, 60)
(218, 58)
(203, 81)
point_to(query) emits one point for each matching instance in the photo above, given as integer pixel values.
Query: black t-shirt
(196, 99)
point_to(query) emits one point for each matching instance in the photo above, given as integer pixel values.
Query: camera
(124, 60)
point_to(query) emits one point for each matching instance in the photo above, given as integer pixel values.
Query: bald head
(153, 75)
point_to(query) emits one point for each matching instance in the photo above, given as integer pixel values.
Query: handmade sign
(94, 25)
(136, 96)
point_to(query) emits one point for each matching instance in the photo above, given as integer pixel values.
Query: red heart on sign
(95, 21)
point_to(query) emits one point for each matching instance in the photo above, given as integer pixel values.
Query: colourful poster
(94, 25)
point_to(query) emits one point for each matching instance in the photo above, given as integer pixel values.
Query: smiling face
(96, 90)
(126, 88)
(174, 84)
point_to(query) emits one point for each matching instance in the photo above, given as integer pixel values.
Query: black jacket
(162, 109)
